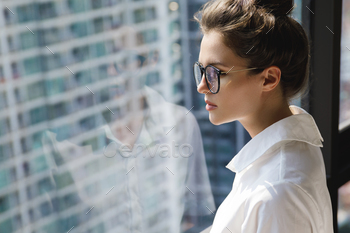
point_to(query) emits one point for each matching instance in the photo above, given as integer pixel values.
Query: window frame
(323, 100)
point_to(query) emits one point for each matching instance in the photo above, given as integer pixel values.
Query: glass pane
(96, 130)
(101, 129)
(344, 108)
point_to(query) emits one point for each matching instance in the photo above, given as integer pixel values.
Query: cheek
(242, 94)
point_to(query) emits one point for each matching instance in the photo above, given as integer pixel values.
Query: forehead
(214, 50)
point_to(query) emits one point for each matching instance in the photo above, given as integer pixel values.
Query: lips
(210, 103)
(210, 106)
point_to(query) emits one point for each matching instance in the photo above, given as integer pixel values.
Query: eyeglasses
(212, 75)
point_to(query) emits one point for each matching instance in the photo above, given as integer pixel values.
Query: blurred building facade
(67, 67)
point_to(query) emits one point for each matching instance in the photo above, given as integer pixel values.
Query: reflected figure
(137, 166)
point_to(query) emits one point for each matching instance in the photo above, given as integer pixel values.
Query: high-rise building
(76, 76)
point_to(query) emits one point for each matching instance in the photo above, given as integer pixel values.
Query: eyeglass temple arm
(238, 70)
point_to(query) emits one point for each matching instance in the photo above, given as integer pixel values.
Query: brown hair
(262, 32)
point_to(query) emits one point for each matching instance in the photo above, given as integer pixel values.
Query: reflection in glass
(344, 108)
(91, 136)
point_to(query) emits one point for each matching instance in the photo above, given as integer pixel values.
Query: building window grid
(50, 9)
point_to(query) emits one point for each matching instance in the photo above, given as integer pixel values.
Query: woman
(253, 60)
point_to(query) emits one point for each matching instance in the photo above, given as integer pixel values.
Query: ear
(272, 77)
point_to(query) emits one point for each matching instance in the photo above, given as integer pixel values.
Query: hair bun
(277, 7)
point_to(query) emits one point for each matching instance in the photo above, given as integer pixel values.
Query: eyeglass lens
(211, 75)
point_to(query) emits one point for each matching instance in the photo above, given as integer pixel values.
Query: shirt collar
(299, 127)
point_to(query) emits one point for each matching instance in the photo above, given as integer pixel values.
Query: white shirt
(280, 183)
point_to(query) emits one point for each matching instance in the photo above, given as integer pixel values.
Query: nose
(202, 87)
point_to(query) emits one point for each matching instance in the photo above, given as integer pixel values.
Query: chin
(219, 121)
(215, 121)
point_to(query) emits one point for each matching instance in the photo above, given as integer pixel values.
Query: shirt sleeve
(283, 207)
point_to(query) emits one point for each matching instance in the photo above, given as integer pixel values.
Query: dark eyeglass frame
(218, 72)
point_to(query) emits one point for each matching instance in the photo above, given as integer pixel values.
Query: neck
(265, 116)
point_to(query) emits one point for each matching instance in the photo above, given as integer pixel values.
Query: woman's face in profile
(239, 94)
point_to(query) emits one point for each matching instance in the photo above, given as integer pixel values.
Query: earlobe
(272, 77)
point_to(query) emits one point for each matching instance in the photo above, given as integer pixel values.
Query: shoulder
(302, 164)
(277, 194)
(284, 205)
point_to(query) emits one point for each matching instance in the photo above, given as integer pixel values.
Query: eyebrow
(214, 63)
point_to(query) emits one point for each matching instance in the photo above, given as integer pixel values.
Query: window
(83, 78)
(144, 14)
(63, 132)
(54, 86)
(79, 29)
(147, 36)
(36, 90)
(36, 140)
(32, 65)
(105, 52)
(7, 176)
(81, 53)
(99, 49)
(62, 180)
(139, 15)
(5, 152)
(98, 25)
(28, 40)
(44, 185)
(77, 6)
(87, 123)
(49, 36)
(50, 62)
(38, 115)
(57, 110)
(177, 88)
(4, 126)
(96, 4)
(27, 13)
(47, 10)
